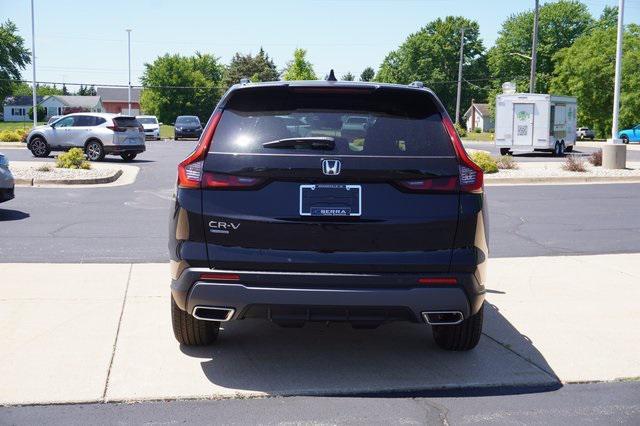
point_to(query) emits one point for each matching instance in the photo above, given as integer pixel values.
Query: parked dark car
(187, 126)
(298, 223)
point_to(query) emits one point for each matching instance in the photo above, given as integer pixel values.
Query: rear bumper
(187, 134)
(326, 297)
(119, 149)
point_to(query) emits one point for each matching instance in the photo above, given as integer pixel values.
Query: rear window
(126, 122)
(361, 122)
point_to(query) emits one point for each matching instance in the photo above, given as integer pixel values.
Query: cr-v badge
(218, 227)
(331, 167)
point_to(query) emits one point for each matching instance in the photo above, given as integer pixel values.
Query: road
(129, 223)
(603, 403)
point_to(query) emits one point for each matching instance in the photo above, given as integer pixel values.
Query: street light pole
(460, 76)
(534, 50)
(129, 55)
(614, 153)
(33, 65)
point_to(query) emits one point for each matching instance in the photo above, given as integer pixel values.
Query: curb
(13, 145)
(560, 180)
(90, 181)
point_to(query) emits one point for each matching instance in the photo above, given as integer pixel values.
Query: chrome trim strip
(334, 155)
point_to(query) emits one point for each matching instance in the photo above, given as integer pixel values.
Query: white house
(60, 105)
(16, 108)
(479, 116)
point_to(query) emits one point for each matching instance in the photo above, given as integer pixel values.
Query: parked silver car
(6, 180)
(98, 134)
(151, 126)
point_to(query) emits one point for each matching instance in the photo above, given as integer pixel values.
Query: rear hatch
(127, 131)
(330, 180)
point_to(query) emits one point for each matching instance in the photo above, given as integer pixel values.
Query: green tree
(65, 91)
(348, 77)
(586, 70)
(560, 24)
(23, 89)
(42, 112)
(432, 54)
(299, 68)
(367, 74)
(181, 85)
(13, 57)
(256, 68)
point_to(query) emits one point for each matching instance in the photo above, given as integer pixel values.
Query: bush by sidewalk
(72, 159)
(486, 162)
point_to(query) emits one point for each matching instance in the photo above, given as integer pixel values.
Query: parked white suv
(98, 134)
(151, 126)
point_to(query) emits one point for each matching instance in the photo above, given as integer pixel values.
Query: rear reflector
(221, 276)
(438, 280)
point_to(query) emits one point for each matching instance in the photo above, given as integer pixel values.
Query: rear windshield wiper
(324, 142)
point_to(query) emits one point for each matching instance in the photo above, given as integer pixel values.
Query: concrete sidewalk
(100, 332)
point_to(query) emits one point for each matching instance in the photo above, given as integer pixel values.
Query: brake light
(117, 128)
(438, 280)
(190, 169)
(430, 185)
(471, 175)
(220, 181)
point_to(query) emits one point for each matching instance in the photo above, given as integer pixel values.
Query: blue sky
(85, 41)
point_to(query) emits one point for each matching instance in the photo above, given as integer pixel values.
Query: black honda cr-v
(329, 201)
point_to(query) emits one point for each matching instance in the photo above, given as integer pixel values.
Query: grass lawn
(166, 131)
(481, 137)
(10, 125)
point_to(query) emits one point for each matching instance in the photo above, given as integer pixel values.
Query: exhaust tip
(443, 317)
(212, 313)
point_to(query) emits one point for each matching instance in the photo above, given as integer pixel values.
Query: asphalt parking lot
(130, 223)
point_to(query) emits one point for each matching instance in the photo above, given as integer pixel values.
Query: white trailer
(527, 122)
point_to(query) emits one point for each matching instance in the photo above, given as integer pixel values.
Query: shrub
(461, 130)
(507, 162)
(477, 130)
(44, 168)
(72, 159)
(10, 136)
(573, 163)
(596, 158)
(486, 162)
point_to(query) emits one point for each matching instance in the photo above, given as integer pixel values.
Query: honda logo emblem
(331, 167)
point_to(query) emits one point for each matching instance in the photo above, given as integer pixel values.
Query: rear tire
(462, 337)
(39, 147)
(190, 331)
(625, 139)
(128, 156)
(504, 151)
(94, 151)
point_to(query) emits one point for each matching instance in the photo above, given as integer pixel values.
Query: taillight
(221, 181)
(190, 169)
(439, 184)
(471, 175)
(116, 128)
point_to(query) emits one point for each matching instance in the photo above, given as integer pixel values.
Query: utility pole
(534, 49)
(129, 54)
(460, 76)
(33, 65)
(614, 153)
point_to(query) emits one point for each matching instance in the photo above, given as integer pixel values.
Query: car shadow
(7, 215)
(120, 161)
(397, 359)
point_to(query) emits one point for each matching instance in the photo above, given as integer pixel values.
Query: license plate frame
(354, 209)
